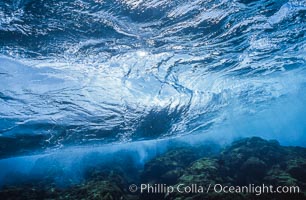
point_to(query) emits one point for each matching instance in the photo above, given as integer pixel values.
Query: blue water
(91, 72)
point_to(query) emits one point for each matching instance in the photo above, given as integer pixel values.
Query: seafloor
(247, 161)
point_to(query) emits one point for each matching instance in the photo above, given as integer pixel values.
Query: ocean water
(104, 75)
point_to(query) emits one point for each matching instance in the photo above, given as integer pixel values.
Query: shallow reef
(249, 161)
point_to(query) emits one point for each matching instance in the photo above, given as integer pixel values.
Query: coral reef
(249, 161)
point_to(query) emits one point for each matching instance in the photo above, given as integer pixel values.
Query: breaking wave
(101, 72)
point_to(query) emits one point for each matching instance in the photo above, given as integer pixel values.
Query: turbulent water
(102, 71)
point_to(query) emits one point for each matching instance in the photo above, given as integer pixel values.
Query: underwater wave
(93, 71)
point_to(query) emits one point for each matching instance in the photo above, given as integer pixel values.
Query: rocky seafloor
(250, 161)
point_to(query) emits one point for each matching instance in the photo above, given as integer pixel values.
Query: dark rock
(167, 168)
(297, 169)
(252, 171)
